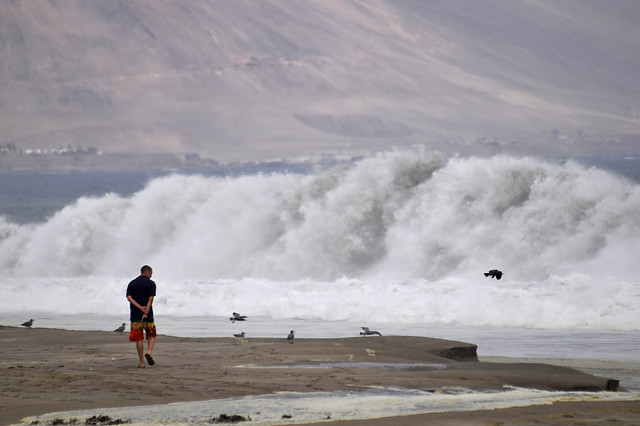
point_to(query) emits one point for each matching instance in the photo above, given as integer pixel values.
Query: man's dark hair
(145, 268)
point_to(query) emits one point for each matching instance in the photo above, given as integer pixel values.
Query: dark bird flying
(494, 273)
(237, 317)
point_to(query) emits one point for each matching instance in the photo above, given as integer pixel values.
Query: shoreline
(53, 370)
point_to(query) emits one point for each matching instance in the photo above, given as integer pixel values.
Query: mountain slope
(245, 79)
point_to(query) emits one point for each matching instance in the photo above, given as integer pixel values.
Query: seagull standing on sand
(290, 337)
(237, 317)
(367, 332)
(121, 328)
(28, 324)
(239, 335)
(494, 273)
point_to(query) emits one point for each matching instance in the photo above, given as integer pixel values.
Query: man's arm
(148, 307)
(137, 305)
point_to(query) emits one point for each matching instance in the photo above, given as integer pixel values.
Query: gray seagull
(121, 328)
(367, 332)
(290, 337)
(28, 324)
(239, 335)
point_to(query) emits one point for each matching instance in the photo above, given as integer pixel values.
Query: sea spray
(392, 216)
(394, 237)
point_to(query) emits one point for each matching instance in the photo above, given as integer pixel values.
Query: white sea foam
(394, 238)
(318, 406)
(560, 303)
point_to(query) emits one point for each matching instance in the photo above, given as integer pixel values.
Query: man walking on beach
(140, 294)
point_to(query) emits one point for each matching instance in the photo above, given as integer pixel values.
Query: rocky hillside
(244, 79)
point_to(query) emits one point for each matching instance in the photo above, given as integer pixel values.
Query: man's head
(146, 271)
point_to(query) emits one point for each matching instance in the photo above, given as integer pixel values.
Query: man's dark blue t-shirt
(141, 289)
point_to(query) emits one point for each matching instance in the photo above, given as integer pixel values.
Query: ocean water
(396, 242)
(395, 238)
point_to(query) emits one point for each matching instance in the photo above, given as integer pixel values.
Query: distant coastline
(81, 162)
(584, 149)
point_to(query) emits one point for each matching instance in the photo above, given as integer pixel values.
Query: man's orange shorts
(139, 328)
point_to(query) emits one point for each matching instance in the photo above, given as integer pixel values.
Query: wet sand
(51, 370)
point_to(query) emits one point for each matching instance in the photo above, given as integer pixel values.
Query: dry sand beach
(51, 370)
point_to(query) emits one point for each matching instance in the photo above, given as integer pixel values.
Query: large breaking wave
(395, 237)
(393, 216)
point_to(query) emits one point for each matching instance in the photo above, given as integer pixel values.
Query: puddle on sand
(378, 365)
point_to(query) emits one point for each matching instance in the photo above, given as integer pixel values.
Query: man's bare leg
(150, 343)
(140, 349)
